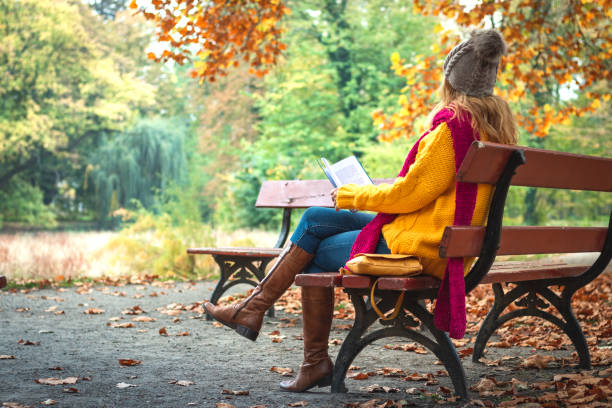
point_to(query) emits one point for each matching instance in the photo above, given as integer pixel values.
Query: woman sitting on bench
(412, 212)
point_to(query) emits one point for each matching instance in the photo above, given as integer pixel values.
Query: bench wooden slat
(325, 279)
(467, 241)
(356, 281)
(298, 193)
(259, 252)
(484, 163)
(500, 272)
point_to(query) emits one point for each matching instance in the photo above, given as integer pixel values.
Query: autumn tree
(555, 49)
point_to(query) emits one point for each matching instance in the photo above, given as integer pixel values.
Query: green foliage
(136, 164)
(23, 203)
(318, 101)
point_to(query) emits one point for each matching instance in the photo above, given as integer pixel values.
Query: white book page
(348, 171)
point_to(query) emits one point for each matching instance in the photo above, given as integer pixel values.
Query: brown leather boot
(317, 313)
(246, 316)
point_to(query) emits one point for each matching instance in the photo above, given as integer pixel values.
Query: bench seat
(500, 272)
(238, 251)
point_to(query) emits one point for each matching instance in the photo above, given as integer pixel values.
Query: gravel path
(206, 359)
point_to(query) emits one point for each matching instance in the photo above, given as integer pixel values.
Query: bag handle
(380, 314)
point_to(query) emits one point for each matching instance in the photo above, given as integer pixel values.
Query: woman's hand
(334, 196)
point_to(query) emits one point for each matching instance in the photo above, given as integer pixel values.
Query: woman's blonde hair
(491, 115)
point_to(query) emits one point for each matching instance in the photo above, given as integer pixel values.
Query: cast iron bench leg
(243, 270)
(365, 316)
(525, 295)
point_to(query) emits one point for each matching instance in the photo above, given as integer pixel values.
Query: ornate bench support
(357, 339)
(529, 297)
(532, 305)
(235, 270)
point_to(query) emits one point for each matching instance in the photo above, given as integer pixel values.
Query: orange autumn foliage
(550, 44)
(217, 35)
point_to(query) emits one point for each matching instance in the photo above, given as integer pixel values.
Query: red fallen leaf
(134, 310)
(129, 362)
(444, 390)
(163, 332)
(182, 334)
(359, 376)
(277, 340)
(57, 381)
(28, 342)
(58, 368)
(59, 312)
(176, 320)
(71, 390)
(232, 392)
(224, 405)
(217, 324)
(5, 357)
(298, 404)
(274, 333)
(93, 310)
(285, 371)
(22, 309)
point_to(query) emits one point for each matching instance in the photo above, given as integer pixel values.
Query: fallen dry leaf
(129, 362)
(379, 388)
(182, 383)
(125, 385)
(145, 319)
(49, 402)
(22, 309)
(223, 405)
(5, 357)
(358, 376)
(298, 404)
(57, 381)
(70, 390)
(93, 310)
(185, 333)
(15, 405)
(163, 332)
(28, 342)
(217, 324)
(286, 371)
(126, 325)
(537, 361)
(233, 392)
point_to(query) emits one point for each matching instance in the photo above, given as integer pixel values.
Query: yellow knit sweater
(424, 200)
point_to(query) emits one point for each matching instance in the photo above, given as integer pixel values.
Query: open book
(346, 171)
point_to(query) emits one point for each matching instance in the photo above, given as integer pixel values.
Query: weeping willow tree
(136, 166)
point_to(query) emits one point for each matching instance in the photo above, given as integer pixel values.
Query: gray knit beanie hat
(471, 67)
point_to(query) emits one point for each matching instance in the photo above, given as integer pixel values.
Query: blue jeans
(329, 235)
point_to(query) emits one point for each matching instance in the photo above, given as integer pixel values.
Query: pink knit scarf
(449, 313)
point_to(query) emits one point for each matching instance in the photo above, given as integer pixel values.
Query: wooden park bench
(247, 265)
(526, 284)
(2, 281)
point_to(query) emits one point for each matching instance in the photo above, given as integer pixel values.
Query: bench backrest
(486, 163)
(298, 193)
